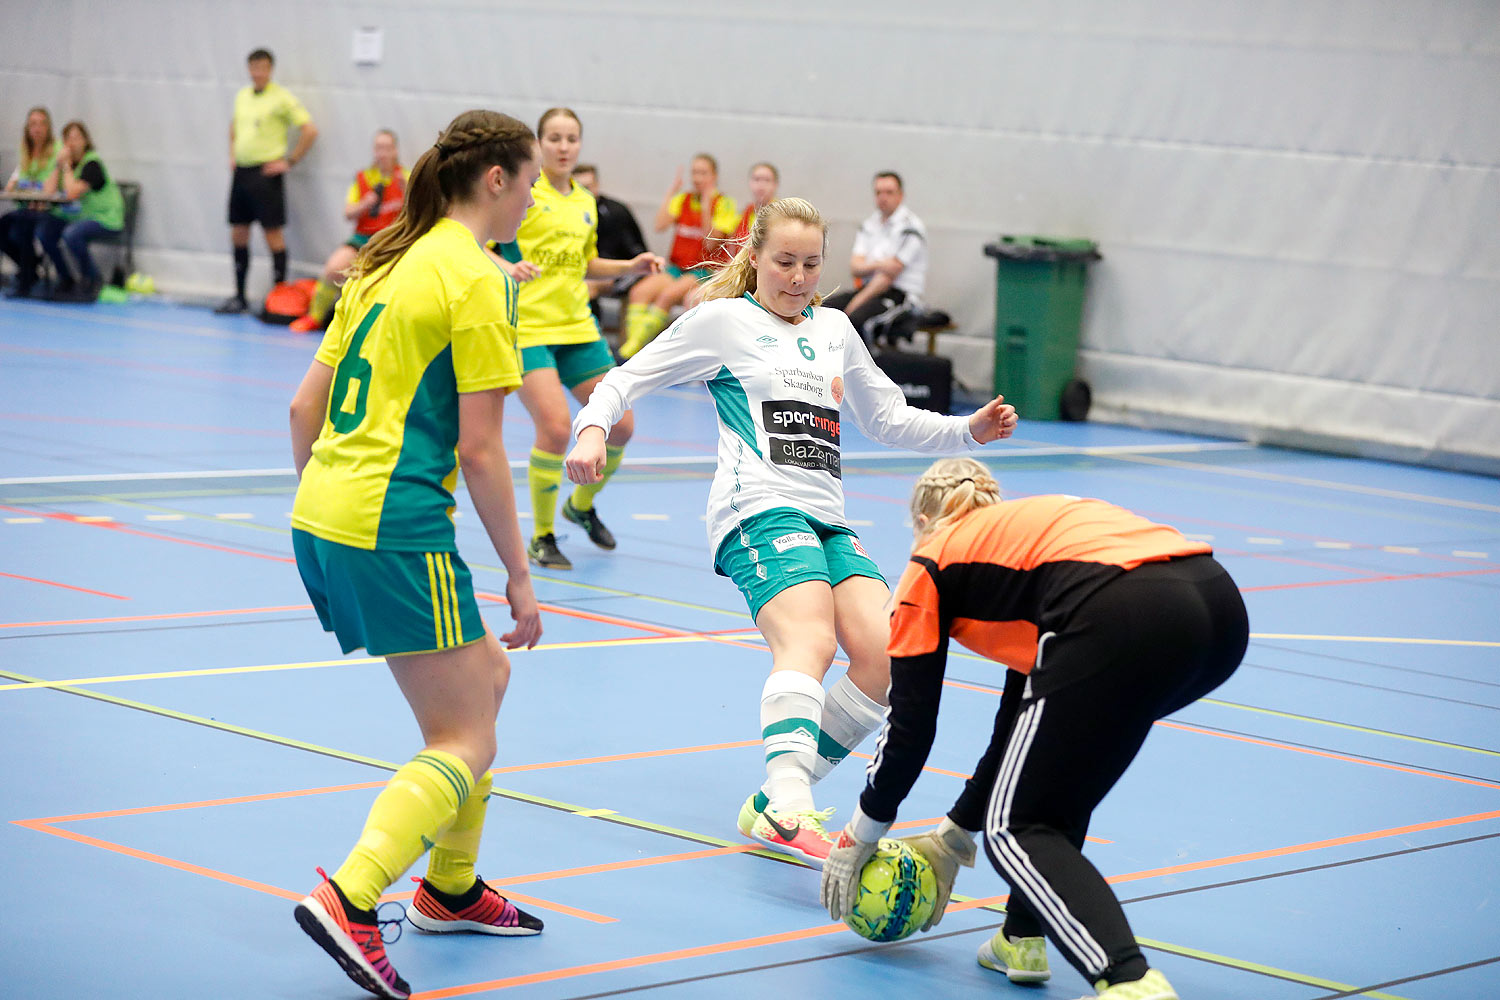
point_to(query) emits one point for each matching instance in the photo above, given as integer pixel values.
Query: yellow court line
(1399, 640)
(352, 661)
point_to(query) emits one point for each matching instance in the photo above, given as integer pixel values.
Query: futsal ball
(897, 891)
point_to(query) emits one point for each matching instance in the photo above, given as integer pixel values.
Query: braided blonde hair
(738, 276)
(949, 489)
(446, 173)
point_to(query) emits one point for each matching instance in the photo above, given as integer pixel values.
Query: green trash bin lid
(1042, 248)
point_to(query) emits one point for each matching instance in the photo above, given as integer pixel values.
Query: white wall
(1296, 199)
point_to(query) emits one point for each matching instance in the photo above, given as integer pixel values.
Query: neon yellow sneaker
(1023, 960)
(800, 834)
(1152, 986)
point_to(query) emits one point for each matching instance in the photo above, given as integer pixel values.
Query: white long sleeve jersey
(779, 389)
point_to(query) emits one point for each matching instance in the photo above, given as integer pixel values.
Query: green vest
(39, 170)
(105, 206)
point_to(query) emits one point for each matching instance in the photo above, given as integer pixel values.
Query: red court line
(155, 618)
(131, 852)
(805, 934)
(144, 424)
(593, 616)
(117, 526)
(1372, 579)
(245, 883)
(1330, 755)
(64, 586)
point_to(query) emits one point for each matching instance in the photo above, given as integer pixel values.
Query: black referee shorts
(254, 197)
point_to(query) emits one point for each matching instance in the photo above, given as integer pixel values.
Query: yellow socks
(583, 496)
(543, 476)
(413, 810)
(635, 335)
(323, 297)
(450, 867)
(642, 323)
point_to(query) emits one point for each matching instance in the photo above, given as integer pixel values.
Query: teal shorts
(575, 363)
(782, 547)
(700, 274)
(357, 241)
(388, 602)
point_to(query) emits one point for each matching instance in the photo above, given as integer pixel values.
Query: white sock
(849, 715)
(791, 712)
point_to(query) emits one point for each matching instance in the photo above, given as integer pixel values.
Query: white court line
(1465, 554)
(651, 517)
(1403, 549)
(1256, 540)
(1333, 545)
(24, 520)
(168, 517)
(704, 459)
(235, 517)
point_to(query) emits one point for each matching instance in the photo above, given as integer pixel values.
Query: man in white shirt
(889, 262)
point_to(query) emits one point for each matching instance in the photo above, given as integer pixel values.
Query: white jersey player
(781, 371)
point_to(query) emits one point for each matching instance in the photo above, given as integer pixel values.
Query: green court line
(1264, 970)
(588, 812)
(1349, 726)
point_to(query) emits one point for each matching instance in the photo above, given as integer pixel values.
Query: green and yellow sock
(323, 297)
(416, 806)
(450, 867)
(583, 496)
(635, 334)
(656, 322)
(543, 476)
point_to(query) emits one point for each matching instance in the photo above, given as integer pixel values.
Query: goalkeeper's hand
(947, 846)
(840, 886)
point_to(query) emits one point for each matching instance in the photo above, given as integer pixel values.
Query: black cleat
(544, 552)
(589, 521)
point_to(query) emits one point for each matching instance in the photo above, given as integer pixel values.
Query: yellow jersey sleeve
(726, 215)
(352, 197)
(292, 110)
(675, 207)
(484, 336)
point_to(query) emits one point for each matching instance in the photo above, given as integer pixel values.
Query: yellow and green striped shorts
(388, 603)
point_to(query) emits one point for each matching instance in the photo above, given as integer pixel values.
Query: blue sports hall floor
(183, 744)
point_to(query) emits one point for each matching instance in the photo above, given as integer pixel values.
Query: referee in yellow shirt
(263, 114)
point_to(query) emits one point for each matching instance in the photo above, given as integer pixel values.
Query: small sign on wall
(369, 46)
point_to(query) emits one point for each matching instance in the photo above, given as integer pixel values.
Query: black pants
(1145, 645)
(872, 307)
(18, 240)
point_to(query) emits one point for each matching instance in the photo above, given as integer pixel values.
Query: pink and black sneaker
(481, 910)
(352, 937)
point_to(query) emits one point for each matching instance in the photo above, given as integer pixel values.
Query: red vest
(390, 203)
(688, 250)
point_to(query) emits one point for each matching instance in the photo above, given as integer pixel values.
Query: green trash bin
(1038, 314)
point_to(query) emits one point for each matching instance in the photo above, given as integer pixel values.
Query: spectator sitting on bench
(889, 262)
(82, 177)
(619, 237)
(35, 172)
(373, 202)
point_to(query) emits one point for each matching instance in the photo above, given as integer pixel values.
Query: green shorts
(701, 274)
(388, 602)
(575, 363)
(357, 241)
(782, 547)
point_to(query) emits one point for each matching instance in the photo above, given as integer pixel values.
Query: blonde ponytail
(949, 489)
(738, 276)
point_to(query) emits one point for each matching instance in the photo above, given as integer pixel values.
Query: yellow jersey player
(555, 250)
(408, 385)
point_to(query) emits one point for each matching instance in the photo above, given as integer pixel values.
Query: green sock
(583, 496)
(323, 297)
(450, 866)
(543, 476)
(416, 806)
